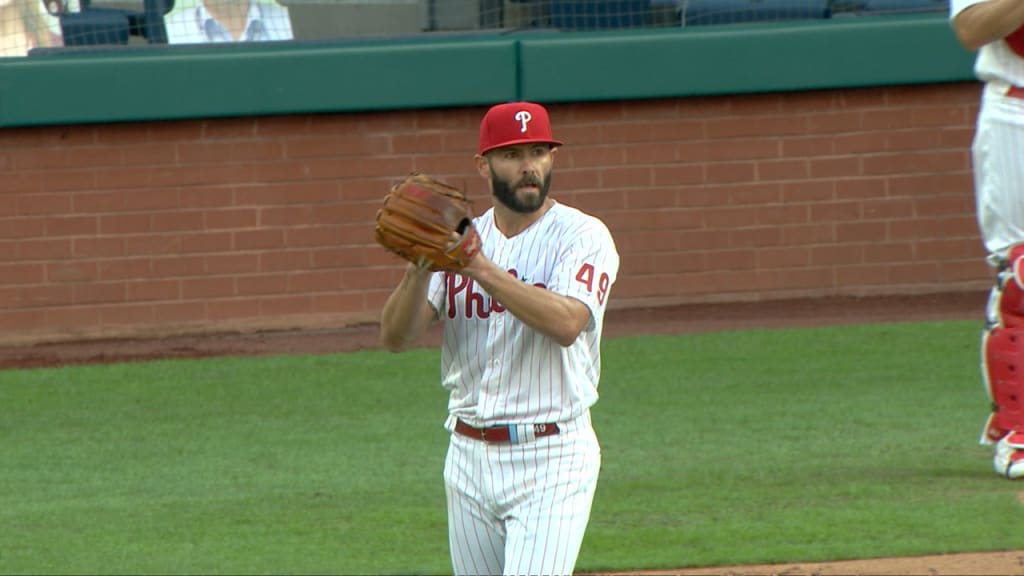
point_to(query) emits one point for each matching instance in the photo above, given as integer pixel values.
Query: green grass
(723, 448)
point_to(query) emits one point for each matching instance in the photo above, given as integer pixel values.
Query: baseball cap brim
(520, 141)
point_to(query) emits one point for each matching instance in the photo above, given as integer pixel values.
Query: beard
(505, 192)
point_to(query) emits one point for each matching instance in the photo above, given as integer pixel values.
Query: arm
(560, 317)
(988, 21)
(407, 313)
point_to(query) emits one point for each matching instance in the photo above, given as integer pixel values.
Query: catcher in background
(995, 28)
(522, 291)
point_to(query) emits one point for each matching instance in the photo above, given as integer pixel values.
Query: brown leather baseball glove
(429, 223)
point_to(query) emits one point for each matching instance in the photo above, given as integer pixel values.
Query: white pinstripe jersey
(499, 370)
(995, 61)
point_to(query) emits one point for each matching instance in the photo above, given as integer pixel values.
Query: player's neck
(512, 223)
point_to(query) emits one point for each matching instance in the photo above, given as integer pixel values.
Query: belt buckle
(483, 434)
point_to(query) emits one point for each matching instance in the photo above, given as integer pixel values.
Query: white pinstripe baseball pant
(520, 509)
(998, 160)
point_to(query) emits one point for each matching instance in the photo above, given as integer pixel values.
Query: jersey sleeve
(436, 293)
(958, 6)
(587, 267)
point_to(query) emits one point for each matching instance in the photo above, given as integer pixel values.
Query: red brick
(285, 261)
(36, 204)
(71, 320)
(179, 313)
(208, 196)
(206, 242)
(179, 221)
(22, 274)
(835, 255)
(125, 224)
(232, 263)
(760, 237)
(106, 201)
(44, 249)
(22, 321)
(207, 287)
(258, 239)
(153, 290)
(347, 301)
(838, 167)
(285, 216)
(178, 266)
(134, 315)
(729, 172)
(264, 284)
(125, 269)
(100, 292)
(71, 271)
(229, 128)
(71, 225)
(789, 257)
(45, 296)
(313, 236)
(814, 233)
(888, 252)
(888, 209)
(154, 199)
(786, 215)
(220, 310)
(310, 282)
(286, 305)
(340, 257)
(768, 170)
(626, 177)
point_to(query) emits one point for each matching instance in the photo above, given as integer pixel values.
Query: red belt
(1015, 92)
(498, 434)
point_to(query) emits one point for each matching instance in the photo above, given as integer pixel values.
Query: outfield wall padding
(157, 83)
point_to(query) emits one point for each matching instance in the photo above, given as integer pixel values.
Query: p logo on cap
(515, 123)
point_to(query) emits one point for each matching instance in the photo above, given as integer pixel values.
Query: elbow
(393, 343)
(565, 342)
(567, 337)
(968, 33)
(969, 41)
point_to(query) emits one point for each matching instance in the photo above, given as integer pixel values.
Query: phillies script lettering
(477, 303)
(480, 305)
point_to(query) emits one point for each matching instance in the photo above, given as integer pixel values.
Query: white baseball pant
(518, 509)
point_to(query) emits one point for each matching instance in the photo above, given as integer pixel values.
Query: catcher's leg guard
(1003, 374)
(1002, 349)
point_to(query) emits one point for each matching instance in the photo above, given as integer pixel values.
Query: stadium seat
(709, 12)
(153, 20)
(92, 26)
(598, 14)
(881, 7)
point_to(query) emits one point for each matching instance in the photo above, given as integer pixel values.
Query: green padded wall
(150, 83)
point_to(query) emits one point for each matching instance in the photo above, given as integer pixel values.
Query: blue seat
(898, 6)
(598, 14)
(94, 26)
(153, 20)
(709, 12)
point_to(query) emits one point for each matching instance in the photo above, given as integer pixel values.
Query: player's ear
(482, 166)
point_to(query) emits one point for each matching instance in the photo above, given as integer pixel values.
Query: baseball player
(995, 28)
(520, 358)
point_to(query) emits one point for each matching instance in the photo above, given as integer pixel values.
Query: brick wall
(264, 223)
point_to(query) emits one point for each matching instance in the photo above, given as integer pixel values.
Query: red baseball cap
(515, 123)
